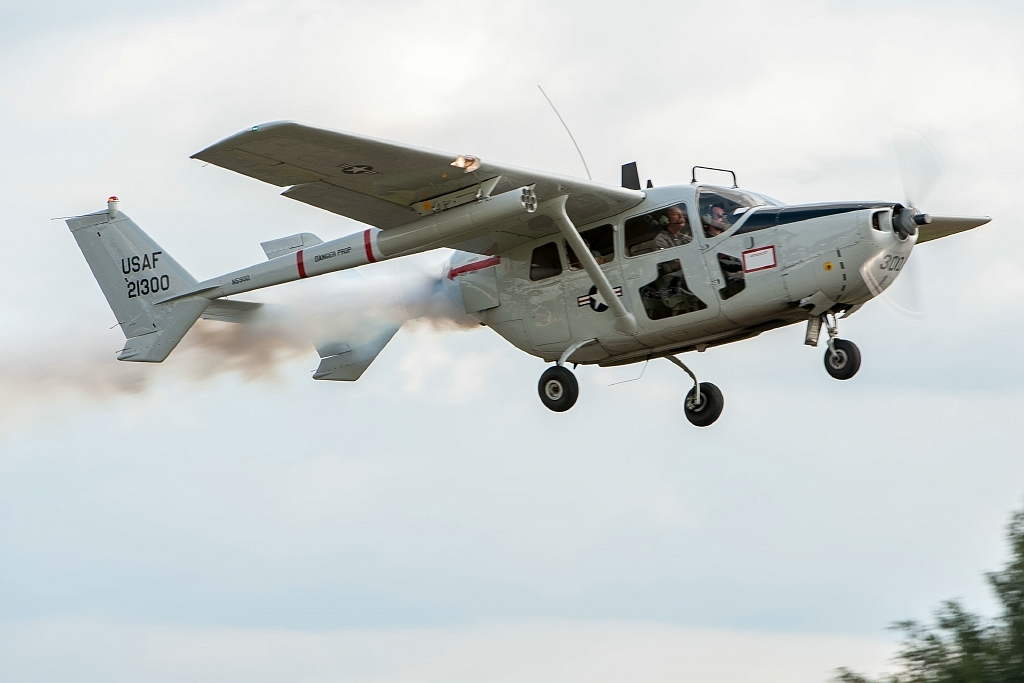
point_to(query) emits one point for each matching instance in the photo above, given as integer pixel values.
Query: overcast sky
(223, 517)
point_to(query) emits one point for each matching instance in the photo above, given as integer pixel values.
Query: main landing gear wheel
(704, 412)
(703, 405)
(558, 389)
(842, 359)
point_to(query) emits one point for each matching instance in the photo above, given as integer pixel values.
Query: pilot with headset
(675, 228)
(716, 220)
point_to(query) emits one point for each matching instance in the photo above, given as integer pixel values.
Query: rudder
(134, 274)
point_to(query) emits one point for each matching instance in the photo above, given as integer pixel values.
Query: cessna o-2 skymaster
(566, 269)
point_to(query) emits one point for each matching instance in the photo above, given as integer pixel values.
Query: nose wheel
(558, 389)
(842, 358)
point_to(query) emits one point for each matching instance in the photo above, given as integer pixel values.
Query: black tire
(846, 361)
(710, 407)
(558, 389)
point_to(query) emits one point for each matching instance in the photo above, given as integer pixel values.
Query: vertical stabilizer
(134, 272)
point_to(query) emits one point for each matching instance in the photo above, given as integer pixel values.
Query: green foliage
(961, 647)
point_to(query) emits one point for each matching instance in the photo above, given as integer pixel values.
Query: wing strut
(624, 320)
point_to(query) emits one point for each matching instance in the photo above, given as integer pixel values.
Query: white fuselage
(771, 267)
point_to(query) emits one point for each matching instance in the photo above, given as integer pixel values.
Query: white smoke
(351, 308)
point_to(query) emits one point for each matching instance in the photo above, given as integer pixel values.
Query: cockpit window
(721, 208)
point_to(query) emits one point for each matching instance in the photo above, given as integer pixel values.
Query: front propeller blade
(944, 226)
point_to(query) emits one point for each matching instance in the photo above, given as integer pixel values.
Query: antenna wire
(578, 151)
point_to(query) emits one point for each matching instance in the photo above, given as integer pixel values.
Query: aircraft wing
(379, 182)
(944, 226)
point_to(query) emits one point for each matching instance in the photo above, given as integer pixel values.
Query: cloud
(56, 650)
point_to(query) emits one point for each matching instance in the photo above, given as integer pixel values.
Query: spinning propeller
(920, 170)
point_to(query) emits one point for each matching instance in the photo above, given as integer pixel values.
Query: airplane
(565, 269)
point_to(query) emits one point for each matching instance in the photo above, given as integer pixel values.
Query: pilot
(676, 231)
(716, 220)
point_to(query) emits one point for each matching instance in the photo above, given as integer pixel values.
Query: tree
(961, 647)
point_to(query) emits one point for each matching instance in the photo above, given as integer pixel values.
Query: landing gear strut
(842, 357)
(704, 402)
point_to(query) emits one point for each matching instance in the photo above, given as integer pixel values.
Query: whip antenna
(578, 151)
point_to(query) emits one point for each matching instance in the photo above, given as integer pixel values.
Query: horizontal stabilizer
(343, 362)
(944, 226)
(288, 245)
(230, 311)
(155, 346)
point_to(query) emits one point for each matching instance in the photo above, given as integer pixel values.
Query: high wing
(386, 184)
(944, 226)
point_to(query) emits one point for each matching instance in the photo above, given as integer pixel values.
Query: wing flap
(360, 207)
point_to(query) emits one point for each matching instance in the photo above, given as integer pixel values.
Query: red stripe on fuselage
(369, 247)
(300, 264)
(476, 265)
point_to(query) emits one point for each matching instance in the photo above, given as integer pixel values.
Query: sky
(222, 517)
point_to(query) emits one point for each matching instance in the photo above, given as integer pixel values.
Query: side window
(661, 229)
(545, 262)
(667, 295)
(732, 275)
(601, 241)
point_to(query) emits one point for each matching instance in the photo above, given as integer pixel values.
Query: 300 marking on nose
(892, 263)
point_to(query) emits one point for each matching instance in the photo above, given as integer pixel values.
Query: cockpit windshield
(721, 208)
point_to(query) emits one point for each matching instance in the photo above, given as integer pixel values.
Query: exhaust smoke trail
(35, 378)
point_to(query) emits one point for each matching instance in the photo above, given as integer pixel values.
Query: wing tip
(258, 128)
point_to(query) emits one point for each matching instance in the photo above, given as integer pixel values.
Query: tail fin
(135, 273)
